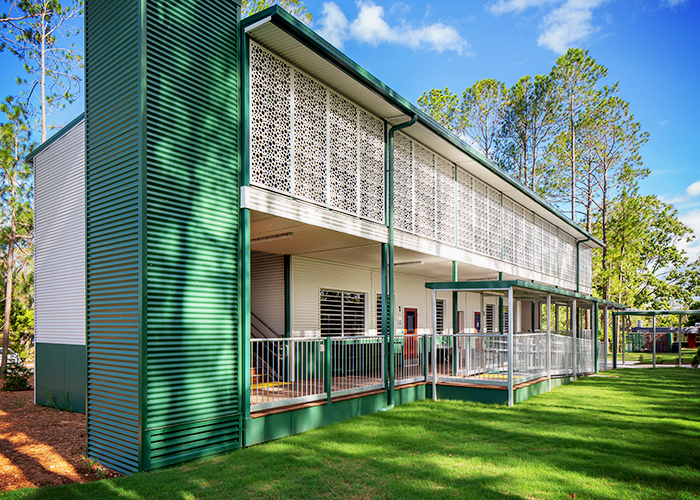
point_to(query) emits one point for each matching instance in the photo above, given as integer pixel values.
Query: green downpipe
(390, 252)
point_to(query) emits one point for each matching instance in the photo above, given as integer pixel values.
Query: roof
(63, 131)
(280, 32)
(658, 313)
(526, 288)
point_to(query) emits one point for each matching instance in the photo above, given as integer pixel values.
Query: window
(379, 313)
(505, 319)
(489, 318)
(440, 316)
(342, 313)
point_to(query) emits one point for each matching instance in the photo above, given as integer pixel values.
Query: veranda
(542, 334)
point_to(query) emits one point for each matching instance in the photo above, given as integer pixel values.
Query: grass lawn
(668, 358)
(635, 435)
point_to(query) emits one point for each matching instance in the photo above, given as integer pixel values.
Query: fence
(410, 352)
(285, 372)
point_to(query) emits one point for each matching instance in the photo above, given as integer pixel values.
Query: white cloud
(334, 24)
(371, 27)
(566, 22)
(674, 3)
(692, 220)
(693, 189)
(505, 6)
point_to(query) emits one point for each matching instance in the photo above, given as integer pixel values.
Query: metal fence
(473, 358)
(357, 364)
(602, 356)
(529, 356)
(285, 372)
(562, 355)
(410, 358)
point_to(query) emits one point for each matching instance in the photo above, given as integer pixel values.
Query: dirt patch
(42, 446)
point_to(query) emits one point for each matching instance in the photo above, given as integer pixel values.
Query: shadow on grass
(637, 436)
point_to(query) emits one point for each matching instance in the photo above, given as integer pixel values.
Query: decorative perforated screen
(445, 200)
(465, 210)
(309, 142)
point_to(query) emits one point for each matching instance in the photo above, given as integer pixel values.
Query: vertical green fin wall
(162, 220)
(192, 178)
(112, 106)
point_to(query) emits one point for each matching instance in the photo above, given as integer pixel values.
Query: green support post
(390, 252)
(614, 346)
(595, 335)
(328, 368)
(500, 309)
(455, 317)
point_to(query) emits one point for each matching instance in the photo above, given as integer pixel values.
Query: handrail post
(605, 337)
(549, 343)
(614, 350)
(510, 346)
(328, 376)
(425, 357)
(594, 335)
(434, 348)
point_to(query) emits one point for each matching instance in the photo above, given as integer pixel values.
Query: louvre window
(489, 318)
(342, 313)
(440, 316)
(379, 313)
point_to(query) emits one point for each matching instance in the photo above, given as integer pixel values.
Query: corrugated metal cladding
(112, 205)
(162, 324)
(310, 275)
(192, 139)
(267, 289)
(59, 241)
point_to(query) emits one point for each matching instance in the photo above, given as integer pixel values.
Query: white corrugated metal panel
(267, 290)
(59, 240)
(309, 276)
(411, 292)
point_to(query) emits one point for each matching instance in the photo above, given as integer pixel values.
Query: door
(410, 320)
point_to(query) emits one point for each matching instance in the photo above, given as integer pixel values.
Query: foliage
(16, 377)
(696, 359)
(34, 30)
(294, 7)
(632, 435)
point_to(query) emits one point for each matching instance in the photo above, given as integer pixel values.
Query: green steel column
(500, 309)
(244, 232)
(385, 308)
(614, 346)
(287, 296)
(328, 368)
(680, 359)
(595, 335)
(455, 317)
(532, 316)
(390, 253)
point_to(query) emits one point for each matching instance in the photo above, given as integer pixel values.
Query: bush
(696, 359)
(16, 375)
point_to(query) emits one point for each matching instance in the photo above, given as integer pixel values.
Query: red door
(691, 341)
(410, 321)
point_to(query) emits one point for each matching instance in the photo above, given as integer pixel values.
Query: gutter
(389, 172)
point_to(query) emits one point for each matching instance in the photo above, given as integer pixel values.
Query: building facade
(241, 237)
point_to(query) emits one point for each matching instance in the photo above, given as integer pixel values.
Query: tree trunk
(43, 82)
(604, 223)
(8, 297)
(573, 160)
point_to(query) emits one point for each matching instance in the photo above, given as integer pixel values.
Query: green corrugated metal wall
(112, 241)
(192, 148)
(162, 222)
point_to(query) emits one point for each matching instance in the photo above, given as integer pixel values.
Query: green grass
(635, 435)
(667, 358)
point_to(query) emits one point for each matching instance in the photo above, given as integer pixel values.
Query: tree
(294, 7)
(529, 126)
(443, 107)
(647, 270)
(16, 190)
(574, 78)
(34, 31)
(481, 114)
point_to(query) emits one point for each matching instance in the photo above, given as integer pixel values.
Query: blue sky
(651, 47)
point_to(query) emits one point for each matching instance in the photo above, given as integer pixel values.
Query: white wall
(59, 240)
(267, 289)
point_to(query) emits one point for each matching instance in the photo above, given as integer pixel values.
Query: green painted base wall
(270, 427)
(60, 376)
(465, 393)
